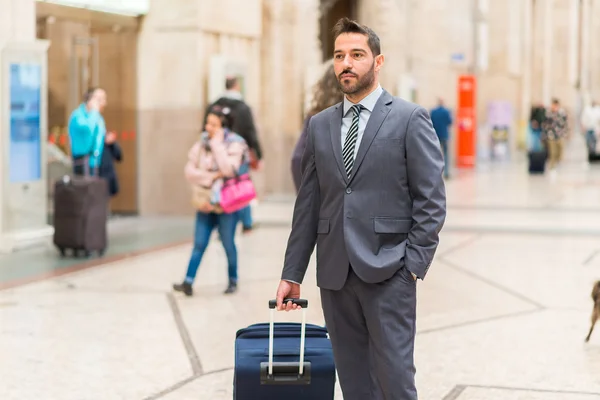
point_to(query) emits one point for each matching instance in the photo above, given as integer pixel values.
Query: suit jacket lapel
(335, 127)
(380, 111)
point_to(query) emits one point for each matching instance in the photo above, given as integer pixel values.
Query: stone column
(170, 93)
(393, 29)
(526, 81)
(17, 20)
(274, 90)
(595, 53)
(584, 73)
(548, 37)
(289, 58)
(23, 199)
(574, 9)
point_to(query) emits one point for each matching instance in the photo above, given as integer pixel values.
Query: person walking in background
(555, 130)
(218, 154)
(590, 123)
(243, 126)
(87, 131)
(537, 117)
(441, 119)
(326, 93)
(372, 198)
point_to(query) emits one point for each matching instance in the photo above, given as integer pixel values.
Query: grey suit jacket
(386, 216)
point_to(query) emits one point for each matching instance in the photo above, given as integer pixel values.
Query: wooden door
(117, 75)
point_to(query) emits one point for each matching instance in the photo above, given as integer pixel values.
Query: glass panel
(25, 145)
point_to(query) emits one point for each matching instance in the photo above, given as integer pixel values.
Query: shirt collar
(368, 102)
(232, 94)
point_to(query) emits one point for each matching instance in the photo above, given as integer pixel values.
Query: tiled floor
(502, 313)
(127, 237)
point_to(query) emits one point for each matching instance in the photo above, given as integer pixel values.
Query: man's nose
(348, 62)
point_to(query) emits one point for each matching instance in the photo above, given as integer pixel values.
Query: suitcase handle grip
(300, 302)
(285, 373)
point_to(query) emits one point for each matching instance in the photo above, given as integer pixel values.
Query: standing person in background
(326, 93)
(537, 117)
(87, 131)
(243, 125)
(555, 130)
(536, 123)
(441, 119)
(590, 124)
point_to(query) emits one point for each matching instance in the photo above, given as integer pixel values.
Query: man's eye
(358, 55)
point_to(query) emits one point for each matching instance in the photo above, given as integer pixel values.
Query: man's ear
(379, 60)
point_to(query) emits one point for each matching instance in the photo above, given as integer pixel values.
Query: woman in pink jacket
(217, 155)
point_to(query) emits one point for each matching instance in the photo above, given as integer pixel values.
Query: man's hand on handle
(287, 290)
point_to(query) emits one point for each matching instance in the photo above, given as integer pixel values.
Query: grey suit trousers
(372, 331)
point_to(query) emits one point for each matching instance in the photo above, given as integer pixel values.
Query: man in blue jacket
(87, 131)
(441, 119)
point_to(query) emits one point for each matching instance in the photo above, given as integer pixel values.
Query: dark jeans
(590, 138)
(205, 224)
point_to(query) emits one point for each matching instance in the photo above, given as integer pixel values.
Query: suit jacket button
(348, 190)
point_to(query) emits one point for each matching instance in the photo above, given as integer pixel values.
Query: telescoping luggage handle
(288, 373)
(87, 171)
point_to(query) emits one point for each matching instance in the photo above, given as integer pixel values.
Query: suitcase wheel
(81, 253)
(101, 252)
(63, 252)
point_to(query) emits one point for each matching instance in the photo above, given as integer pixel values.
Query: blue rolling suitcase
(283, 361)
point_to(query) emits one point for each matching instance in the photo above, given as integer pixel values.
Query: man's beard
(362, 83)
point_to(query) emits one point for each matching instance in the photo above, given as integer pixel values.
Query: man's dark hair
(87, 96)
(230, 82)
(555, 101)
(346, 25)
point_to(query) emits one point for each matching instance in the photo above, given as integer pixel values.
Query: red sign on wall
(466, 121)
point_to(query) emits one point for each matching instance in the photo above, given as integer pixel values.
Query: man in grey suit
(372, 199)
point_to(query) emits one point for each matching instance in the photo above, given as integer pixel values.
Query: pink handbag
(237, 193)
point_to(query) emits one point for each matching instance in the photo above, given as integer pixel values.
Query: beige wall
(427, 47)
(170, 94)
(176, 42)
(278, 41)
(17, 20)
(595, 52)
(286, 53)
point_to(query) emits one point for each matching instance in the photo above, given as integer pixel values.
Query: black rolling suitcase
(81, 214)
(593, 157)
(537, 161)
(537, 154)
(284, 361)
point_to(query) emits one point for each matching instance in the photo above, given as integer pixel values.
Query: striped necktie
(350, 142)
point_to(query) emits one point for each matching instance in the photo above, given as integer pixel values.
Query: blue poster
(25, 138)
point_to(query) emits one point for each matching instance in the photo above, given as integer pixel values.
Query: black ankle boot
(232, 287)
(183, 287)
